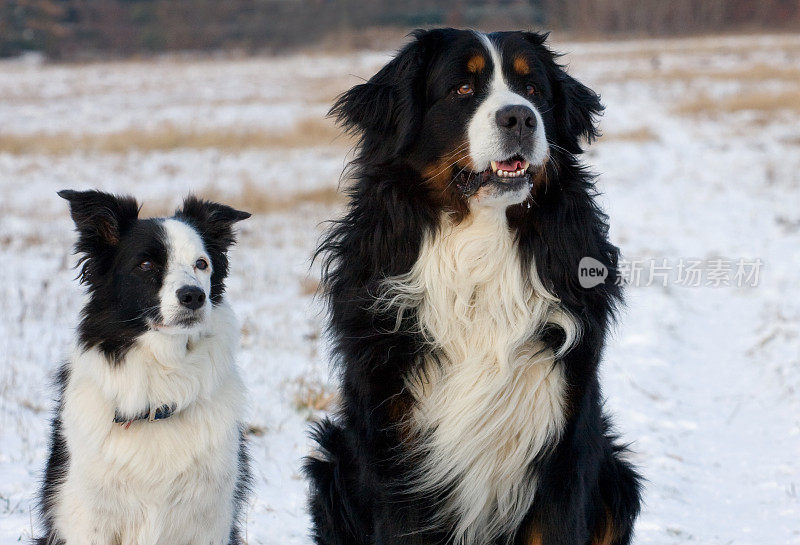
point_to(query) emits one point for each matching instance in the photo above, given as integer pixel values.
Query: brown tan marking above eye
(476, 64)
(521, 66)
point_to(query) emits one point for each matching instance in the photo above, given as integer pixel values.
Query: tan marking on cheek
(441, 172)
(521, 66)
(604, 534)
(533, 536)
(476, 64)
(439, 175)
(541, 176)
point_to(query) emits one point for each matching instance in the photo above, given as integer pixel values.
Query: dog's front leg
(82, 522)
(559, 512)
(148, 531)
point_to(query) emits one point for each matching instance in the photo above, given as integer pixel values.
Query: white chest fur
(491, 398)
(165, 482)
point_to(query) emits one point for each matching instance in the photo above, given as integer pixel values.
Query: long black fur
(357, 478)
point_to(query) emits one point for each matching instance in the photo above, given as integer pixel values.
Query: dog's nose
(517, 119)
(191, 297)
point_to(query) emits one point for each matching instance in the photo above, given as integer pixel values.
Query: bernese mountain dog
(147, 442)
(468, 352)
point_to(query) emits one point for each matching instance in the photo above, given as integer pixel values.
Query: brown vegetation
(312, 396)
(71, 29)
(677, 17)
(258, 199)
(306, 133)
(641, 134)
(758, 101)
(754, 73)
(309, 286)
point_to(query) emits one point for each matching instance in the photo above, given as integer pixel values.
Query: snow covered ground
(700, 161)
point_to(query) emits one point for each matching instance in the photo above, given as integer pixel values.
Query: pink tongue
(509, 165)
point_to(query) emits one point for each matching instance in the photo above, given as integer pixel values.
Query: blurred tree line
(78, 28)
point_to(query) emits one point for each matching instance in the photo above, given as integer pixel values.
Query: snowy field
(700, 163)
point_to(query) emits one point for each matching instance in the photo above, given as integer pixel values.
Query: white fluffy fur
(491, 398)
(167, 482)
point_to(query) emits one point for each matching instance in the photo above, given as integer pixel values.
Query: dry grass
(757, 101)
(306, 133)
(258, 199)
(641, 134)
(24, 240)
(754, 73)
(311, 396)
(709, 46)
(309, 286)
(255, 430)
(253, 198)
(791, 140)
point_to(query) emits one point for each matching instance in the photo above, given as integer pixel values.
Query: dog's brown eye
(201, 264)
(530, 89)
(465, 89)
(146, 266)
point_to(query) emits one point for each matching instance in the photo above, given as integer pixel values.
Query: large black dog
(470, 406)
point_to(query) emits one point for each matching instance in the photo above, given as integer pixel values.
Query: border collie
(468, 351)
(147, 445)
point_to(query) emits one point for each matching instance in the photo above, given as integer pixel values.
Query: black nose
(518, 120)
(191, 297)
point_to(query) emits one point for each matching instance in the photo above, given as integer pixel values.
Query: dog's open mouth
(514, 167)
(508, 174)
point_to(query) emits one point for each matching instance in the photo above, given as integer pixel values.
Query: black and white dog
(147, 445)
(471, 411)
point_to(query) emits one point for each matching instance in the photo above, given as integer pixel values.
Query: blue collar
(160, 413)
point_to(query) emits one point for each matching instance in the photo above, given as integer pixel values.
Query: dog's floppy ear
(100, 219)
(214, 222)
(576, 107)
(387, 109)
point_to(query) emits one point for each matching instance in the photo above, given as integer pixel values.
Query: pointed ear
(100, 218)
(576, 107)
(388, 108)
(214, 221)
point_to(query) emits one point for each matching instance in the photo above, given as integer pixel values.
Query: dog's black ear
(576, 107)
(388, 108)
(214, 222)
(100, 218)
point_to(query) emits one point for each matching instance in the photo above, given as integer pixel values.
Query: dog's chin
(180, 325)
(503, 194)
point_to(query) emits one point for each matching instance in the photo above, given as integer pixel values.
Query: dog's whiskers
(461, 158)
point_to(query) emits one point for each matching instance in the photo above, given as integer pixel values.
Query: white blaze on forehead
(184, 248)
(485, 138)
